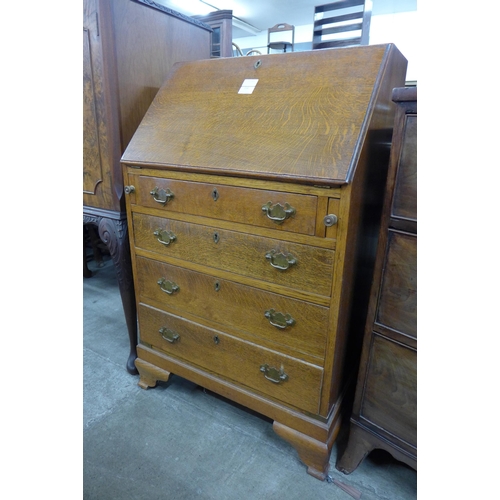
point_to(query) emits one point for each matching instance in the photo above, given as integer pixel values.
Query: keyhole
(216, 237)
(216, 339)
(215, 194)
(217, 286)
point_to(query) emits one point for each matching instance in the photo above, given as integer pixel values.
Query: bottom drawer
(284, 378)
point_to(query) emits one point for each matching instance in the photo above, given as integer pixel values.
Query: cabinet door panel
(92, 171)
(397, 307)
(405, 191)
(390, 400)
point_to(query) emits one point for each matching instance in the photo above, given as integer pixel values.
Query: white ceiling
(263, 14)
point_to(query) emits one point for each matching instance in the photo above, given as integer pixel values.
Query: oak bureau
(254, 190)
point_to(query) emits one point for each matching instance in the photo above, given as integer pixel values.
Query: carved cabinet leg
(114, 234)
(358, 446)
(315, 454)
(150, 374)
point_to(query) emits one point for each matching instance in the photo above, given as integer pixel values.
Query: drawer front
(234, 359)
(299, 325)
(397, 307)
(390, 396)
(302, 267)
(283, 211)
(405, 190)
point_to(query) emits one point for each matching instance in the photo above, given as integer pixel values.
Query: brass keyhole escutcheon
(216, 237)
(217, 286)
(216, 339)
(215, 194)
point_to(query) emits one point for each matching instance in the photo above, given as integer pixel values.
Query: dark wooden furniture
(342, 23)
(252, 229)
(221, 22)
(128, 48)
(385, 407)
(285, 39)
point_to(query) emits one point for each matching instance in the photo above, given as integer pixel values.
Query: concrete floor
(180, 442)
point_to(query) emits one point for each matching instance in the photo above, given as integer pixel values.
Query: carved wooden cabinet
(128, 48)
(385, 407)
(255, 187)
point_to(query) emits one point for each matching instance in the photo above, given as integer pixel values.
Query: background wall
(398, 28)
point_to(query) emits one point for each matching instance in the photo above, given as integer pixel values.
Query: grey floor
(180, 442)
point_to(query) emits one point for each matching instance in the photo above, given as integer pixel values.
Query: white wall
(398, 28)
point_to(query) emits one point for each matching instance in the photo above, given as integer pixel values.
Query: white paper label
(248, 85)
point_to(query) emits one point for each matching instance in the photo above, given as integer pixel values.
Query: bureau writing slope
(254, 189)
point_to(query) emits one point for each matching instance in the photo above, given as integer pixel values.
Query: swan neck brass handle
(279, 320)
(165, 237)
(162, 196)
(167, 286)
(169, 335)
(278, 213)
(279, 260)
(273, 374)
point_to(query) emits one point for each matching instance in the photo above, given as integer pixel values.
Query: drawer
(289, 212)
(390, 396)
(397, 307)
(295, 382)
(302, 267)
(299, 325)
(404, 203)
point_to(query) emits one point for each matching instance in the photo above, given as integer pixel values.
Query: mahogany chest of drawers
(255, 187)
(385, 408)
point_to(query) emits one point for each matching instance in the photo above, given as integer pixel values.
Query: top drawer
(257, 207)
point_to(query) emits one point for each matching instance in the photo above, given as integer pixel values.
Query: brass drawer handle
(280, 260)
(162, 196)
(169, 335)
(168, 286)
(279, 320)
(273, 374)
(165, 237)
(278, 213)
